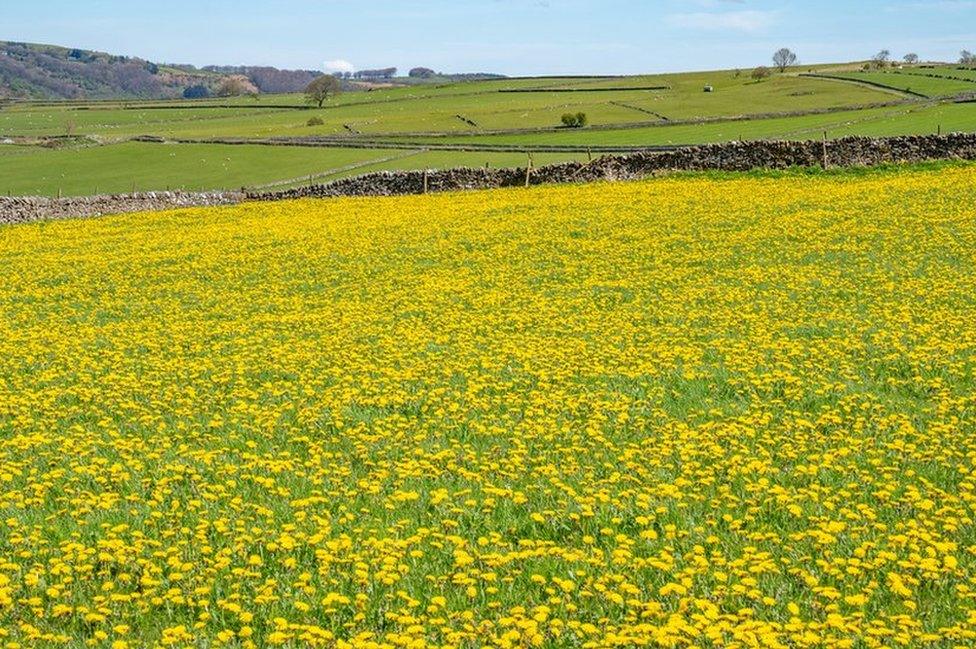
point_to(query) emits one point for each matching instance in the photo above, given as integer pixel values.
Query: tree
(196, 92)
(236, 86)
(422, 73)
(911, 58)
(967, 58)
(784, 58)
(881, 59)
(321, 89)
(760, 73)
(384, 73)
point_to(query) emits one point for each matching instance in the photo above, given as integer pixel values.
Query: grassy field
(140, 166)
(925, 85)
(621, 112)
(438, 111)
(693, 411)
(892, 120)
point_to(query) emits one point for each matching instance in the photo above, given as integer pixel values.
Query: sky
(513, 37)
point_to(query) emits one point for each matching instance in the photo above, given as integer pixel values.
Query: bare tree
(321, 89)
(880, 60)
(911, 58)
(784, 58)
(967, 58)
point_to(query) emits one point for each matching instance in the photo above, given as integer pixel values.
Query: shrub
(760, 73)
(577, 120)
(196, 92)
(316, 121)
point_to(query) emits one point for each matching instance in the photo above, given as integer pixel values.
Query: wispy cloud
(741, 21)
(338, 65)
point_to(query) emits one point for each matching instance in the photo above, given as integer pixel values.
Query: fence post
(425, 181)
(940, 130)
(528, 171)
(589, 153)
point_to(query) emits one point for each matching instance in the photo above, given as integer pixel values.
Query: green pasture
(913, 82)
(146, 167)
(892, 120)
(622, 111)
(437, 109)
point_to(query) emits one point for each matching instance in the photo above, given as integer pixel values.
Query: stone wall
(732, 156)
(34, 208)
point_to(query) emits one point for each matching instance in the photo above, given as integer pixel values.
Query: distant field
(906, 119)
(439, 111)
(469, 113)
(914, 82)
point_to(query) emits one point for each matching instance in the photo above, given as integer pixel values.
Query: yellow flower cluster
(689, 412)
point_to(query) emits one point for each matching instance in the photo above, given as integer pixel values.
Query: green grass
(910, 118)
(928, 86)
(144, 167)
(122, 167)
(449, 159)
(429, 113)
(435, 109)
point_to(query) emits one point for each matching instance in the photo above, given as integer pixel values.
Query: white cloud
(740, 21)
(338, 65)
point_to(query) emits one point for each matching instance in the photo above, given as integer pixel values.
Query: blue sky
(506, 36)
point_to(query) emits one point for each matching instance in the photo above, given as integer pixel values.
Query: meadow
(696, 411)
(633, 112)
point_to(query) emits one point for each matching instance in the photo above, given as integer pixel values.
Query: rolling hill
(33, 71)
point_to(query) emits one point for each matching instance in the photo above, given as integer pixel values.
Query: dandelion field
(687, 412)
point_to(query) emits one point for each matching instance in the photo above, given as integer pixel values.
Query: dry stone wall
(35, 208)
(732, 156)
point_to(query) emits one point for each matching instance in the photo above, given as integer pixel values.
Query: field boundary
(865, 82)
(579, 89)
(731, 156)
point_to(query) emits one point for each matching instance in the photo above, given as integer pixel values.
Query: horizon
(511, 37)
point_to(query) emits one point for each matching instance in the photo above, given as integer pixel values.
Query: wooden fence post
(824, 145)
(528, 171)
(425, 181)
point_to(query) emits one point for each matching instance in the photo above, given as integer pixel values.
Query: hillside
(34, 71)
(223, 143)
